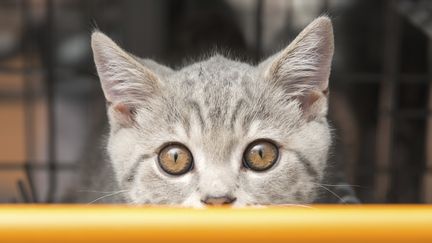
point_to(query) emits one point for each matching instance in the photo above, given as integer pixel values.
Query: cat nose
(223, 200)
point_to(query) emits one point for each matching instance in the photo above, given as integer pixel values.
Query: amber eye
(175, 159)
(260, 155)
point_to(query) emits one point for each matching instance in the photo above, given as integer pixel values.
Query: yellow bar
(79, 224)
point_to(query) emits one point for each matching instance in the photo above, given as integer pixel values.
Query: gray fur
(217, 107)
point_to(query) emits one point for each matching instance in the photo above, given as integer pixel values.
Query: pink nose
(210, 200)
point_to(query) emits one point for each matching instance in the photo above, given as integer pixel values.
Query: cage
(53, 123)
(52, 108)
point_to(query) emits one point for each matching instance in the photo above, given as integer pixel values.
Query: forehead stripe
(237, 109)
(195, 107)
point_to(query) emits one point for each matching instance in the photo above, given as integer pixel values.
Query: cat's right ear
(303, 68)
(126, 83)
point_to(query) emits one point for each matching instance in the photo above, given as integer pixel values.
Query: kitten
(219, 131)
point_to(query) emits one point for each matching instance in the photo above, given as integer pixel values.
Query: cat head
(219, 131)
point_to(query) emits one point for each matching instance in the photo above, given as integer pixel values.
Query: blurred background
(52, 111)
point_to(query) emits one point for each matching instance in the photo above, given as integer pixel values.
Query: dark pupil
(175, 157)
(260, 152)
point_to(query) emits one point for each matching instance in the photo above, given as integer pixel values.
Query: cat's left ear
(303, 68)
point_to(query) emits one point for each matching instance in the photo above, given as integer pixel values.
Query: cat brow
(306, 163)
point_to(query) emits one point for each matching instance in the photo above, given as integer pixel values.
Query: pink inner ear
(310, 102)
(124, 114)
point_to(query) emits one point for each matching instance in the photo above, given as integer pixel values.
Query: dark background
(52, 116)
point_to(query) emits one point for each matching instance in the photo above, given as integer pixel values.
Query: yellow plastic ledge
(79, 224)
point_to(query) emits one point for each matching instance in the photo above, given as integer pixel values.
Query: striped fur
(216, 107)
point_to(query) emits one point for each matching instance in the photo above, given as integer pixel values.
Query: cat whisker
(109, 195)
(340, 185)
(298, 205)
(332, 192)
(95, 191)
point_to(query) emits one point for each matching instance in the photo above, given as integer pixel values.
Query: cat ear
(126, 83)
(303, 68)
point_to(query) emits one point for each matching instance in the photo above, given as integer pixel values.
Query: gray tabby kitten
(219, 131)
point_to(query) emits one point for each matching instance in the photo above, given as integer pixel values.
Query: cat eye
(260, 155)
(175, 159)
